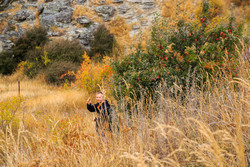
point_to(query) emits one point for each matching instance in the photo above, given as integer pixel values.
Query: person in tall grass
(102, 107)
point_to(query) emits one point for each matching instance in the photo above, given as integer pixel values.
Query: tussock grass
(82, 10)
(205, 126)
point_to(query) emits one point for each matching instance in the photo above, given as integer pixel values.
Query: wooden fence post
(19, 88)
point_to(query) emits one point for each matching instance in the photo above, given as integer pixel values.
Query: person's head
(99, 97)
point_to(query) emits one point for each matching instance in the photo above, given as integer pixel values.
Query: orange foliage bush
(92, 77)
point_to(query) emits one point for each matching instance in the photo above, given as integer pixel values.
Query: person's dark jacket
(103, 110)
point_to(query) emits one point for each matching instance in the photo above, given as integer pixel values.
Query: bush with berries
(200, 45)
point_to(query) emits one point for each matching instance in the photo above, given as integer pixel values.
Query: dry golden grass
(118, 27)
(199, 128)
(3, 25)
(82, 10)
(13, 10)
(170, 9)
(40, 1)
(26, 25)
(121, 29)
(11, 13)
(97, 2)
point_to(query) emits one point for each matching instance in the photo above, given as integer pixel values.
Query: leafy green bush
(7, 63)
(200, 45)
(65, 50)
(34, 37)
(37, 60)
(54, 73)
(103, 42)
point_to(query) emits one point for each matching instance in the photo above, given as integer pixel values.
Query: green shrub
(54, 73)
(39, 58)
(34, 37)
(103, 42)
(7, 63)
(65, 50)
(176, 51)
(36, 61)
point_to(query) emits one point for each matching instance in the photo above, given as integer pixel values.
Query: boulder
(85, 33)
(48, 21)
(122, 9)
(40, 8)
(66, 9)
(83, 20)
(148, 4)
(105, 12)
(135, 1)
(12, 34)
(3, 16)
(23, 15)
(6, 44)
(54, 34)
(80, 1)
(27, 5)
(84, 42)
(102, 2)
(118, 1)
(64, 17)
(53, 6)
(93, 27)
(21, 1)
(73, 34)
(65, 2)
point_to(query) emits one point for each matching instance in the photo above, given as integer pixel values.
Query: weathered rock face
(122, 9)
(23, 15)
(64, 17)
(3, 16)
(83, 20)
(105, 12)
(6, 43)
(148, 4)
(118, 1)
(80, 1)
(61, 14)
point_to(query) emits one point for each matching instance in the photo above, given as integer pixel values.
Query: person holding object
(102, 107)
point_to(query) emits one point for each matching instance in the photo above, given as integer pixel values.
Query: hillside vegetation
(179, 96)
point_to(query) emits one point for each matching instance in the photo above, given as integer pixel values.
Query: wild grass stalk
(208, 125)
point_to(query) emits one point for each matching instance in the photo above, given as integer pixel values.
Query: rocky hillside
(75, 19)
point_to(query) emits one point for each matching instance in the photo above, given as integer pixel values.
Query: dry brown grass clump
(82, 10)
(208, 125)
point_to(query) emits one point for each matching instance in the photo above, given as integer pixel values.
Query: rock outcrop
(74, 24)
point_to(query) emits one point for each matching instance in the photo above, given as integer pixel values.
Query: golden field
(208, 125)
(52, 127)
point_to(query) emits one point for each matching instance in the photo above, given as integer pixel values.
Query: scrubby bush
(37, 60)
(205, 45)
(91, 77)
(7, 63)
(34, 37)
(103, 42)
(65, 50)
(55, 71)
